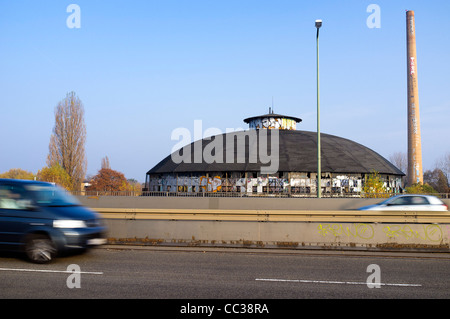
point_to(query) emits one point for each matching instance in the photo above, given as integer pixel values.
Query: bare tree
(436, 179)
(105, 163)
(443, 163)
(400, 160)
(67, 143)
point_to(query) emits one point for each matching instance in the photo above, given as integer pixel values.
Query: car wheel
(40, 249)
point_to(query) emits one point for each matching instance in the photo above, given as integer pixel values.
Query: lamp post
(319, 169)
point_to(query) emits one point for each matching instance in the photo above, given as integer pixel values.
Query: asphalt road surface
(231, 274)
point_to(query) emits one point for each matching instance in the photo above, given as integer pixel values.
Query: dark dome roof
(297, 153)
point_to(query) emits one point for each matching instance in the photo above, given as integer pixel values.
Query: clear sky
(145, 68)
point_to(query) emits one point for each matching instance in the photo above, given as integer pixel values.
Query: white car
(409, 202)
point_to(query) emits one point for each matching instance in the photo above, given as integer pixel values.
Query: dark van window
(13, 197)
(51, 195)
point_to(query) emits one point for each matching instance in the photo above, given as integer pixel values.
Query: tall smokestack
(415, 170)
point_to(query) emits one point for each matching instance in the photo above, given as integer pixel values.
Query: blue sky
(145, 68)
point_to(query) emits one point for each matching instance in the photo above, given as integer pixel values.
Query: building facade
(239, 162)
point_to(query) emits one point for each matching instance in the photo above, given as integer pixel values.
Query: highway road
(192, 274)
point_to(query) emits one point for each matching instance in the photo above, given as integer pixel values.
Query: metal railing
(270, 215)
(243, 194)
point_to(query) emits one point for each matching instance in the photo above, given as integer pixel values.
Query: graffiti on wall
(362, 231)
(296, 183)
(211, 184)
(272, 123)
(432, 232)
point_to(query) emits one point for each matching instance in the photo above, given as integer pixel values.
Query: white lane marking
(52, 271)
(335, 282)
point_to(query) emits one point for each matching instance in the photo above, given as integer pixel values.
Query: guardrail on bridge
(298, 229)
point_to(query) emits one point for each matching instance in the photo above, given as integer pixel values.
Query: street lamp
(319, 169)
(318, 24)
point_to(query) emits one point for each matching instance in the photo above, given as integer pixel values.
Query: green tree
(17, 173)
(55, 174)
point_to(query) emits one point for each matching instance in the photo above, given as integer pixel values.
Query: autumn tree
(374, 186)
(419, 188)
(18, 173)
(108, 180)
(55, 174)
(67, 143)
(134, 186)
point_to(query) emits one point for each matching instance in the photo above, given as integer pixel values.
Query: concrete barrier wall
(193, 222)
(227, 203)
(294, 235)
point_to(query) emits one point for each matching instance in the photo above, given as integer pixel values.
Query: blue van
(43, 220)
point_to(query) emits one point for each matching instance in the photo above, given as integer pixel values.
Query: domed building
(272, 157)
